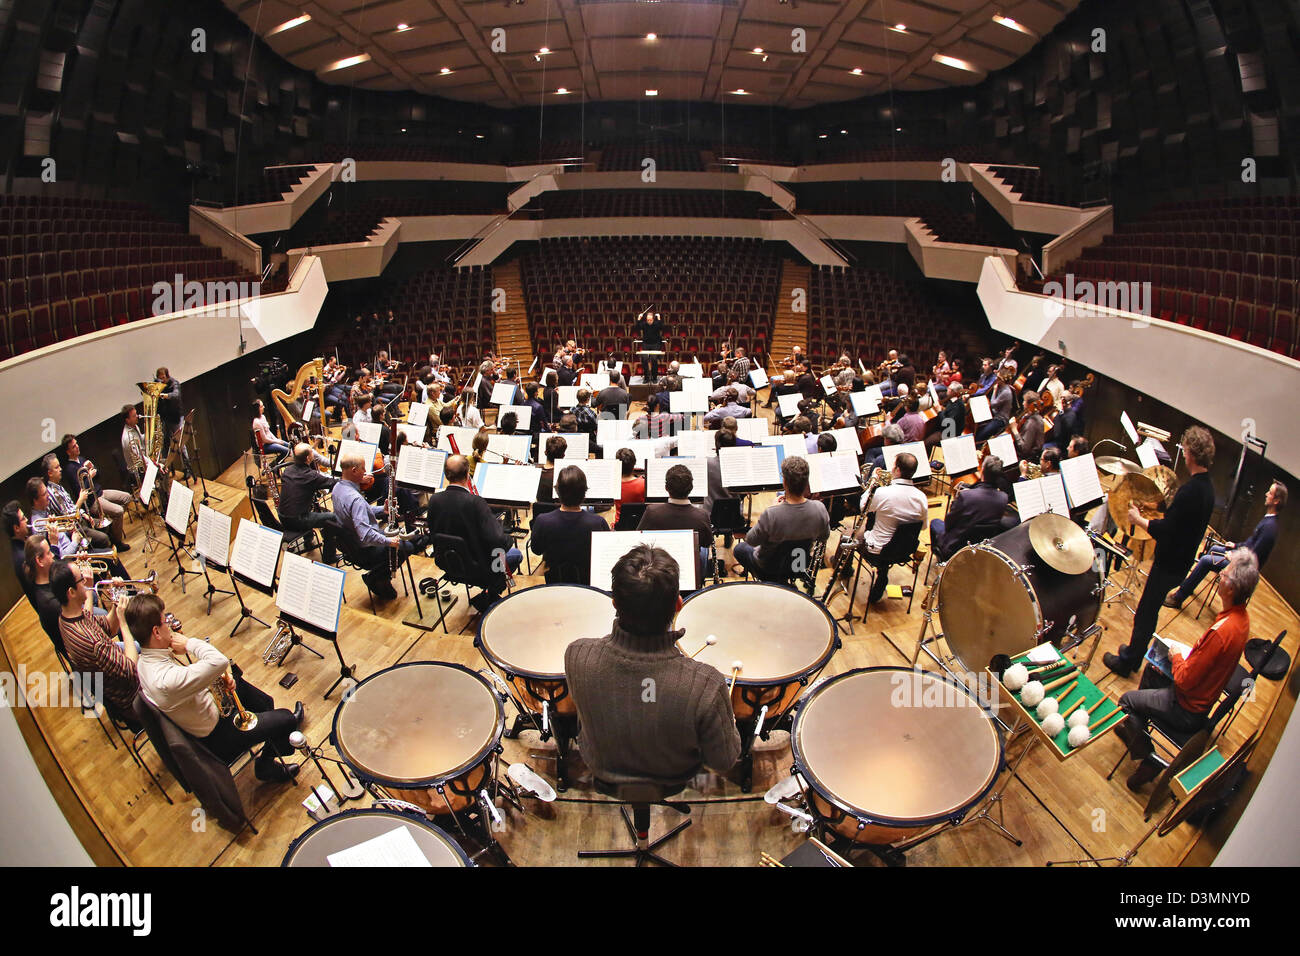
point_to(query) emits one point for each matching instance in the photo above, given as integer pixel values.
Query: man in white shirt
(181, 691)
(895, 504)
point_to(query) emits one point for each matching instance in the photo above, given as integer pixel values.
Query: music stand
(193, 437)
(346, 670)
(204, 561)
(177, 543)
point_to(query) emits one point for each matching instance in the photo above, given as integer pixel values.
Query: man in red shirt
(1198, 680)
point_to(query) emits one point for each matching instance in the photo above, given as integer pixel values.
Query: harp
(308, 386)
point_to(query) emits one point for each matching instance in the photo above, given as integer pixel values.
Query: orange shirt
(1200, 678)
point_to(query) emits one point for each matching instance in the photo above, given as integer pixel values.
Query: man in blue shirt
(1260, 542)
(360, 530)
(732, 408)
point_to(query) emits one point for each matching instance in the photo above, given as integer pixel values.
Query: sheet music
(464, 437)
(478, 380)
(596, 381)
(256, 552)
(793, 445)
(934, 397)
(1054, 499)
(751, 429)
(608, 547)
(789, 404)
(755, 467)
(523, 414)
(701, 385)
(911, 447)
(179, 503)
(758, 378)
(1004, 446)
(310, 591)
(150, 479)
(516, 447)
(656, 473)
(503, 393)
(959, 454)
(875, 392)
(307, 410)
(643, 448)
(690, 370)
(1082, 483)
(611, 366)
(846, 439)
(1146, 453)
(604, 476)
(1029, 498)
(507, 482)
(411, 433)
(979, 409)
(684, 402)
(862, 366)
(367, 451)
(864, 403)
(395, 848)
(421, 467)
(566, 396)
(369, 432)
(697, 444)
(1128, 427)
(212, 539)
(832, 471)
(828, 384)
(610, 430)
(417, 414)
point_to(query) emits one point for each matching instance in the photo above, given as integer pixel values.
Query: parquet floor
(1061, 811)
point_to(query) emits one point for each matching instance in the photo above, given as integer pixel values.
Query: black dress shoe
(299, 714)
(122, 546)
(272, 771)
(1147, 771)
(1116, 664)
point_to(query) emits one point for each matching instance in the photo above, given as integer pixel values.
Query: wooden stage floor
(1061, 811)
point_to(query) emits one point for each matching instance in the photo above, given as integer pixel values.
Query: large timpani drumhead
(418, 724)
(776, 632)
(528, 632)
(984, 607)
(347, 829)
(896, 747)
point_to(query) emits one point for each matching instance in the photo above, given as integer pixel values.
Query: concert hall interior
(703, 432)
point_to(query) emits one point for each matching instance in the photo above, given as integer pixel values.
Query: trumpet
(63, 524)
(119, 591)
(227, 700)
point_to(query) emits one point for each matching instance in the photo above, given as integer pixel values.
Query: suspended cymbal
(1116, 466)
(1165, 478)
(1136, 489)
(1061, 543)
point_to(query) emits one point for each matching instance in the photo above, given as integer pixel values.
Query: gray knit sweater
(647, 711)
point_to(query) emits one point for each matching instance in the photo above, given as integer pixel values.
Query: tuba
(300, 392)
(153, 433)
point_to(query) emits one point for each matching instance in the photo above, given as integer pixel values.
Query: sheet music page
(293, 594)
(1082, 483)
(1128, 427)
(411, 433)
(609, 430)
(150, 479)
(697, 444)
(325, 596)
(422, 467)
(789, 404)
(256, 552)
(752, 429)
(417, 414)
(911, 447)
(596, 381)
(864, 403)
(179, 503)
(464, 437)
(690, 370)
(979, 409)
(523, 414)
(1054, 495)
(828, 384)
(643, 448)
(703, 385)
(576, 444)
(478, 380)
(846, 439)
(507, 482)
(369, 432)
(609, 546)
(307, 410)
(604, 476)
(1146, 453)
(1004, 446)
(793, 445)
(684, 402)
(875, 392)
(515, 447)
(566, 396)
(832, 471)
(758, 378)
(862, 366)
(657, 472)
(1029, 498)
(367, 451)
(503, 393)
(212, 540)
(959, 454)
(750, 467)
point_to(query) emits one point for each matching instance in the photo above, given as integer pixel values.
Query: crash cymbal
(1061, 543)
(1165, 478)
(1136, 489)
(1116, 466)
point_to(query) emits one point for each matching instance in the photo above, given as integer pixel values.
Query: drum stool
(640, 796)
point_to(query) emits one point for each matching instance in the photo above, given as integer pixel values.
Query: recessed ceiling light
(445, 70)
(955, 63)
(544, 50)
(822, 135)
(651, 92)
(290, 24)
(403, 26)
(1013, 25)
(403, 129)
(346, 62)
(857, 71)
(740, 92)
(898, 129)
(899, 28)
(844, 132)
(478, 136)
(651, 36)
(758, 50)
(562, 91)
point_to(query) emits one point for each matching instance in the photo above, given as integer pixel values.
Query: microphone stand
(354, 789)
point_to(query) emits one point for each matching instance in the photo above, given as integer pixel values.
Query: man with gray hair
(359, 529)
(1182, 698)
(891, 434)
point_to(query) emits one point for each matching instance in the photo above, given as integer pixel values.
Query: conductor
(650, 331)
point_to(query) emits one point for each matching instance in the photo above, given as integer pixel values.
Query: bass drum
(1000, 597)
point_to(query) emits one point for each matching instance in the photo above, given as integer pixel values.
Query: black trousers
(378, 559)
(274, 725)
(1160, 582)
(1155, 699)
(326, 521)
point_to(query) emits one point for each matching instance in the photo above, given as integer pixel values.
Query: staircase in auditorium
(511, 325)
(791, 327)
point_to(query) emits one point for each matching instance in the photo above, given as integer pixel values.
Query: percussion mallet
(1101, 720)
(1075, 706)
(709, 642)
(1047, 667)
(1067, 692)
(1061, 681)
(1103, 700)
(736, 668)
